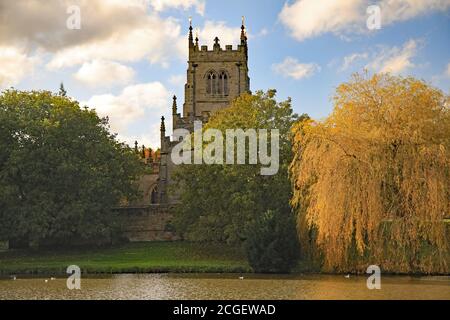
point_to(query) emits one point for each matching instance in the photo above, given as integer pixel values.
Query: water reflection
(229, 286)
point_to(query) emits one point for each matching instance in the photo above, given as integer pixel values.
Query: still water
(226, 286)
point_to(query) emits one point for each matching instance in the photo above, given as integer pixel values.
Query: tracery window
(211, 83)
(223, 83)
(217, 84)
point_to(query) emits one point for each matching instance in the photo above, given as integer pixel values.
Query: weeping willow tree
(371, 182)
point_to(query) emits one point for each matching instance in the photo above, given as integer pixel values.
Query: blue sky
(128, 60)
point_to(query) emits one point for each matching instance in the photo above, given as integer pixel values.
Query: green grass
(149, 257)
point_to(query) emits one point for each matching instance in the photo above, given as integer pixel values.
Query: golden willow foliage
(371, 182)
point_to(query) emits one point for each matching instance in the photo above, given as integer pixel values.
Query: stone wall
(202, 62)
(4, 245)
(147, 223)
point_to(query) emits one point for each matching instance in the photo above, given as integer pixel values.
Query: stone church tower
(214, 78)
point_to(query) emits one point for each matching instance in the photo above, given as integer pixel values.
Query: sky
(126, 59)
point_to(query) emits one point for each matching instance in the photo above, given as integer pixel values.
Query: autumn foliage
(372, 181)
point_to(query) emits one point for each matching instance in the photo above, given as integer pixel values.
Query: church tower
(214, 78)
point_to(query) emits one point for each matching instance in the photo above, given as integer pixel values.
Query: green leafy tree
(61, 171)
(272, 244)
(222, 202)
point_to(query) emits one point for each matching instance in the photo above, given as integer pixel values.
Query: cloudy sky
(129, 57)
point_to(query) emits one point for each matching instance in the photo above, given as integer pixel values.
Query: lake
(226, 286)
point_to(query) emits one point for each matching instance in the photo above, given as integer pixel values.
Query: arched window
(211, 83)
(223, 83)
(217, 84)
(154, 195)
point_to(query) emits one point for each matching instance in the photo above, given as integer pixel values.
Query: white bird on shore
(46, 280)
(347, 276)
(241, 278)
(52, 278)
(14, 278)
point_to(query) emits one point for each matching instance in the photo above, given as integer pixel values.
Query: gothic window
(211, 83)
(223, 83)
(217, 84)
(154, 195)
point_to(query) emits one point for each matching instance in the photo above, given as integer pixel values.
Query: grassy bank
(128, 258)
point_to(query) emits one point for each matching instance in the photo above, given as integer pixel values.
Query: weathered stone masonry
(213, 79)
(147, 223)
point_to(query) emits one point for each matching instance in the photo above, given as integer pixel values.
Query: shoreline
(250, 275)
(177, 257)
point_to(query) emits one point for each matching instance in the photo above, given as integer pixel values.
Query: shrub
(272, 244)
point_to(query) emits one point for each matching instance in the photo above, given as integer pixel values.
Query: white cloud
(116, 30)
(150, 136)
(394, 59)
(135, 102)
(160, 5)
(15, 65)
(43, 23)
(383, 58)
(211, 29)
(177, 80)
(99, 73)
(156, 40)
(400, 10)
(447, 71)
(263, 32)
(310, 18)
(351, 59)
(290, 67)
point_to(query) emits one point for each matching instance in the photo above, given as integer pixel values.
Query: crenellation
(239, 49)
(213, 79)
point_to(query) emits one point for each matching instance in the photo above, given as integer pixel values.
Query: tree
(371, 181)
(222, 202)
(272, 244)
(61, 171)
